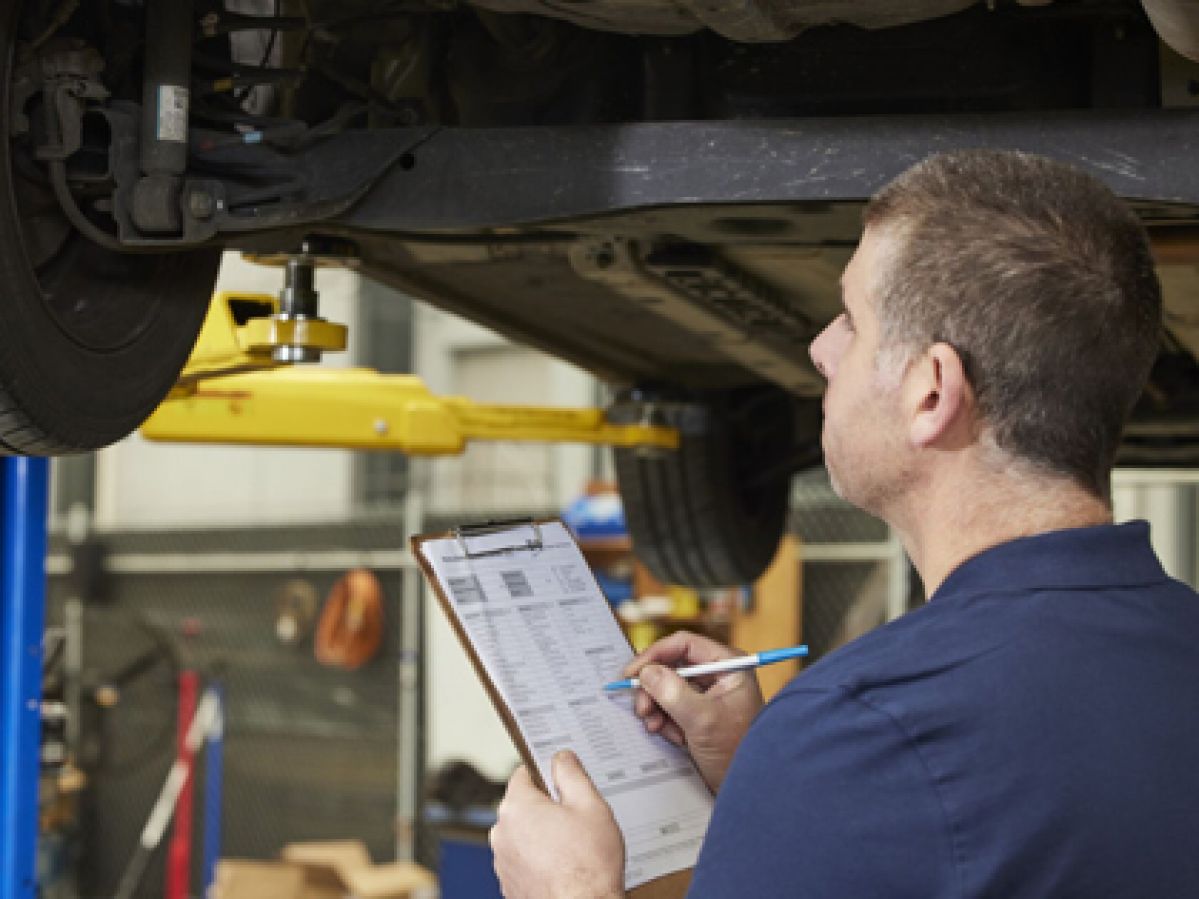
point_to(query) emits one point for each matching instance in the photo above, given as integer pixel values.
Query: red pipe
(178, 873)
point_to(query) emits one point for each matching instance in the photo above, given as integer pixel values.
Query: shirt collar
(1107, 555)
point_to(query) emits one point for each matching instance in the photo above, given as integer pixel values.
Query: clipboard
(527, 534)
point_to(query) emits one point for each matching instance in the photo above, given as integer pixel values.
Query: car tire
(91, 339)
(712, 513)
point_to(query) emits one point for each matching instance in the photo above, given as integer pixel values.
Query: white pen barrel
(740, 663)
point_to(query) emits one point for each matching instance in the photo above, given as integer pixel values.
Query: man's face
(865, 446)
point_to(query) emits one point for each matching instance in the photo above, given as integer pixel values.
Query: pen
(740, 663)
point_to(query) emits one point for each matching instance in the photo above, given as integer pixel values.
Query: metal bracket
(469, 531)
(619, 264)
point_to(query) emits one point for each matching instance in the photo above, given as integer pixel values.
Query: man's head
(1033, 279)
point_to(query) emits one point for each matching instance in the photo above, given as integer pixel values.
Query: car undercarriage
(663, 194)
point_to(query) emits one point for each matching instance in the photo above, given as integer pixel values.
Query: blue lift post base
(24, 493)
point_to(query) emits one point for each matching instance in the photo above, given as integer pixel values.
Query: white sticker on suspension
(172, 113)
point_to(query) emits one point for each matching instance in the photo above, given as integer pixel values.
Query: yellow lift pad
(231, 391)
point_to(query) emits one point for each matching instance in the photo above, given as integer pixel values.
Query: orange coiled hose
(350, 629)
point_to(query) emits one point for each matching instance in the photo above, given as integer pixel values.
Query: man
(1033, 730)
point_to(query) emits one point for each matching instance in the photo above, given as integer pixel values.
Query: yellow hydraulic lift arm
(233, 390)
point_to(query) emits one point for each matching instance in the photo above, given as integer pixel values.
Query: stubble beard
(868, 471)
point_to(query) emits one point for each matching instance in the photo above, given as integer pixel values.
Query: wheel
(90, 339)
(712, 513)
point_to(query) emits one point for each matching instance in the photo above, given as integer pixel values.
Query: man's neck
(959, 518)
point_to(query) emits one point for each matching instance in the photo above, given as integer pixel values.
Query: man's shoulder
(997, 624)
(876, 655)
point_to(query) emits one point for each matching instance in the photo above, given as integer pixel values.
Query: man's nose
(818, 351)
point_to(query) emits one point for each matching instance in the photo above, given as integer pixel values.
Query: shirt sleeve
(826, 797)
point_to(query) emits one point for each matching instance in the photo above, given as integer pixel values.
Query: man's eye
(848, 322)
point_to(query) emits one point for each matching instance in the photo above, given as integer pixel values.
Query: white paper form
(548, 641)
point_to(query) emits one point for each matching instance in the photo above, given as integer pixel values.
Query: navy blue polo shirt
(1032, 731)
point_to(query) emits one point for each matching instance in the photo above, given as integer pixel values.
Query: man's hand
(570, 849)
(708, 715)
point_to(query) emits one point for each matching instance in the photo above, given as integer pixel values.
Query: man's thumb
(574, 785)
(672, 693)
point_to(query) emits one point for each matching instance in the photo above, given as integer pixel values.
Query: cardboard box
(242, 879)
(340, 869)
(395, 880)
(326, 866)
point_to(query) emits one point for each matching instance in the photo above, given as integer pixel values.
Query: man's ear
(940, 401)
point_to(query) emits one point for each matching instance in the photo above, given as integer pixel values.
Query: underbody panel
(482, 179)
(705, 254)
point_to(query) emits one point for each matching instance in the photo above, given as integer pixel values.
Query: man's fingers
(521, 776)
(520, 786)
(673, 733)
(521, 789)
(671, 648)
(673, 695)
(520, 782)
(643, 704)
(676, 648)
(574, 786)
(658, 723)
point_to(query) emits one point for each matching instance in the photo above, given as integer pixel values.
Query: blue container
(598, 519)
(466, 869)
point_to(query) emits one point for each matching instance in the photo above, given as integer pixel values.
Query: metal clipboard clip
(465, 532)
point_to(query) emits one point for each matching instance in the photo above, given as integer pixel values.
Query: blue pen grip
(769, 656)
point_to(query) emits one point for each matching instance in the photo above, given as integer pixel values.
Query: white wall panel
(1164, 499)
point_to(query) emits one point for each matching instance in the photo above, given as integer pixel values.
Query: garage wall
(456, 357)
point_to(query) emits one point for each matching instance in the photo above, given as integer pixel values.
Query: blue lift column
(24, 491)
